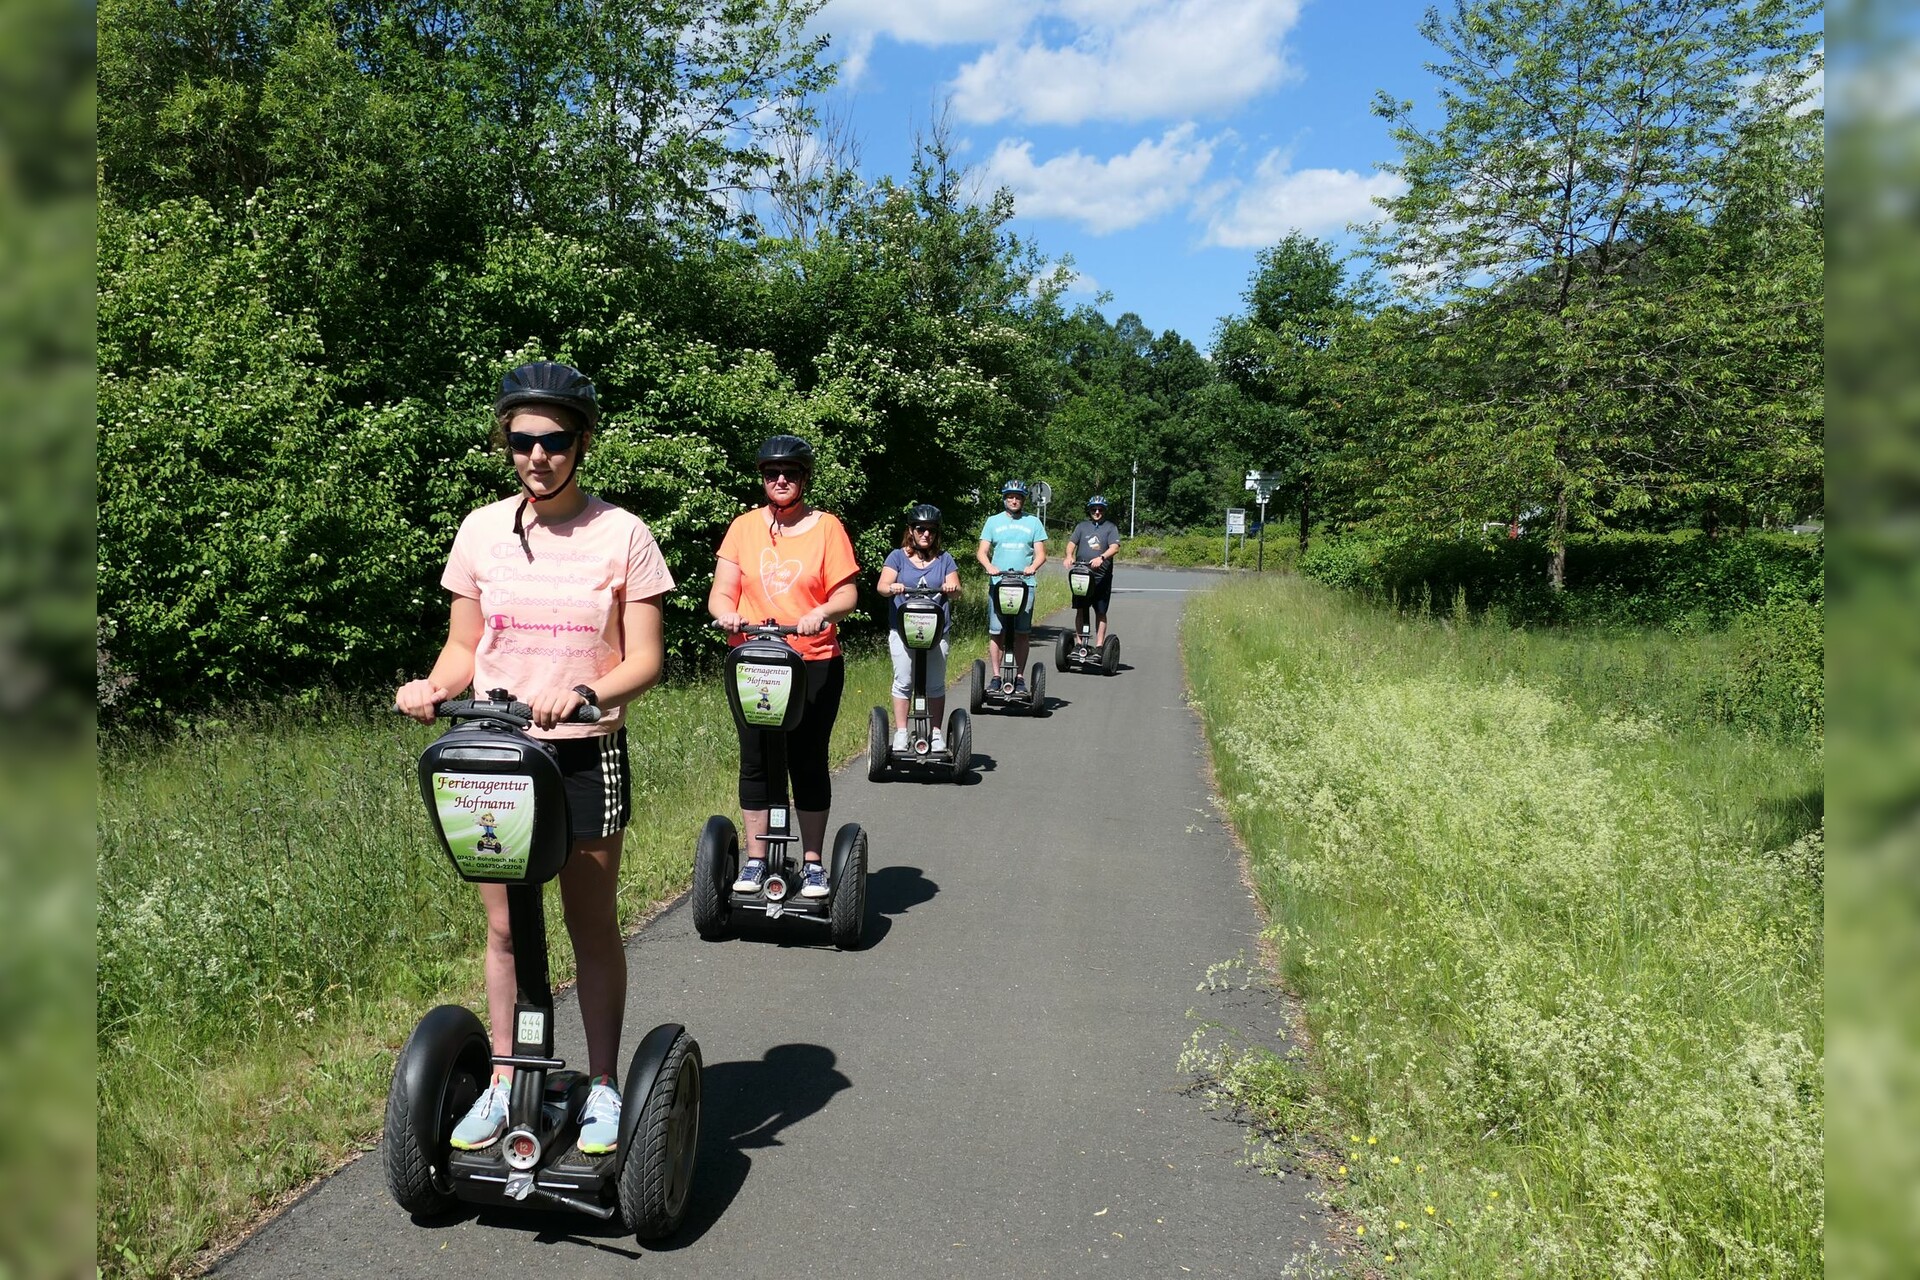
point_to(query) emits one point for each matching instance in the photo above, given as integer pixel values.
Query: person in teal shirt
(1011, 542)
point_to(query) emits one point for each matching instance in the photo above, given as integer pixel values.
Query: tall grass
(1556, 926)
(274, 916)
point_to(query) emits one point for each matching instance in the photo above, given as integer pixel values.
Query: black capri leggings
(807, 745)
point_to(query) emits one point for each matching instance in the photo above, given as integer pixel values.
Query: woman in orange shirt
(790, 564)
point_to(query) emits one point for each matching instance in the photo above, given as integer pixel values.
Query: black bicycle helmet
(548, 382)
(790, 449)
(1014, 486)
(1096, 501)
(924, 513)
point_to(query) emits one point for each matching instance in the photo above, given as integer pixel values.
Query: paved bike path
(989, 1087)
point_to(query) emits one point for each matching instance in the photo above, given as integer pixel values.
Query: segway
(500, 810)
(1078, 649)
(766, 682)
(1008, 594)
(921, 625)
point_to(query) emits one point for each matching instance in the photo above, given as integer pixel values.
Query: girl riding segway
(590, 638)
(917, 639)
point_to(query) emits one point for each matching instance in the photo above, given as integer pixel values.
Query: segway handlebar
(505, 709)
(766, 629)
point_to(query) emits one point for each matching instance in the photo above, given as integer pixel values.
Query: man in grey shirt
(1095, 542)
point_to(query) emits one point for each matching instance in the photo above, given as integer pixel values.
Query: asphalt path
(989, 1087)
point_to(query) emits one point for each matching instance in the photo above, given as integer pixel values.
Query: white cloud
(1102, 195)
(1279, 200)
(926, 22)
(1132, 60)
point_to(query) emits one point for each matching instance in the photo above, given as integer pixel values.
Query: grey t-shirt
(1090, 540)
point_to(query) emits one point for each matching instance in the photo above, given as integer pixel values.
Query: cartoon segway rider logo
(488, 842)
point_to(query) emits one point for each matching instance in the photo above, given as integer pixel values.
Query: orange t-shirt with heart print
(789, 576)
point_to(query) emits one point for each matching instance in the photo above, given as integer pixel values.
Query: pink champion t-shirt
(553, 621)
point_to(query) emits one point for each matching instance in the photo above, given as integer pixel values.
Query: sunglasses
(921, 528)
(554, 442)
(783, 473)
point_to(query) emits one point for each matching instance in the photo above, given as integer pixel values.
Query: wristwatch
(591, 698)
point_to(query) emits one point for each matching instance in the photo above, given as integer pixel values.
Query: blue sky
(1159, 143)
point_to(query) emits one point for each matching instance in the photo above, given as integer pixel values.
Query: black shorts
(599, 783)
(1099, 591)
(809, 767)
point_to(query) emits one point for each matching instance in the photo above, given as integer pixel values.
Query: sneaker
(600, 1119)
(485, 1121)
(939, 741)
(815, 885)
(751, 875)
(899, 739)
(994, 687)
(1019, 686)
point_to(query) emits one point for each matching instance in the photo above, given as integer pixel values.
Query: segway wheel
(445, 1064)
(716, 860)
(960, 742)
(1062, 651)
(656, 1167)
(1037, 689)
(1110, 655)
(848, 917)
(977, 689)
(877, 745)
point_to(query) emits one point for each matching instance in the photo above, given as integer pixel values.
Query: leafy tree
(1574, 137)
(1280, 356)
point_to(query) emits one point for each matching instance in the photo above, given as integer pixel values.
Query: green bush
(1779, 680)
(1681, 581)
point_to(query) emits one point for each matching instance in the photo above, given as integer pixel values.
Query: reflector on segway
(1010, 596)
(497, 803)
(766, 681)
(922, 623)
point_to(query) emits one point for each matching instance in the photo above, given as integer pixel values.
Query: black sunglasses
(782, 473)
(554, 442)
(921, 528)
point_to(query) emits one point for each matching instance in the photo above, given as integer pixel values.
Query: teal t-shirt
(1012, 538)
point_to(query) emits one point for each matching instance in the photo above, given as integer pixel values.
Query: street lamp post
(1133, 503)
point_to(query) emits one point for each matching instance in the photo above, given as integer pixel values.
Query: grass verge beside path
(1556, 929)
(274, 917)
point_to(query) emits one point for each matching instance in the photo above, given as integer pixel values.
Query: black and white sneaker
(752, 875)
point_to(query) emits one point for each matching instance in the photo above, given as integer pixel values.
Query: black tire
(446, 1062)
(1110, 655)
(977, 689)
(656, 1171)
(848, 909)
(960, 742)
(878, 741)
(716, 861)
(1037, 689)
(1062, 647)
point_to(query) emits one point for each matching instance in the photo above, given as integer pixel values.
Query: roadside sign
(1042, 492)
(1237, 520)
(1263, 483)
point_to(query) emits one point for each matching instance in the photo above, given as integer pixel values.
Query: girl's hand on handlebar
(418, 698)
(812, 624)
(554, 706)
(730, 622)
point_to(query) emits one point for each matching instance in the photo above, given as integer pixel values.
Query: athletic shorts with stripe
(599, 783)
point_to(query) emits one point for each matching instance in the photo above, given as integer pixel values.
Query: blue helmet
(1014, 486)
(1096, 501)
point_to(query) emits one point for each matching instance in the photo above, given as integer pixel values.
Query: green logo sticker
(764, 691)
(1079, 580)
(1012, 598)
(488, 821)
(918, 627)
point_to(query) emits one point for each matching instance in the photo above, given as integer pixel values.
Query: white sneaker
(899, 739)
(485, 1121)
(939, 741)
